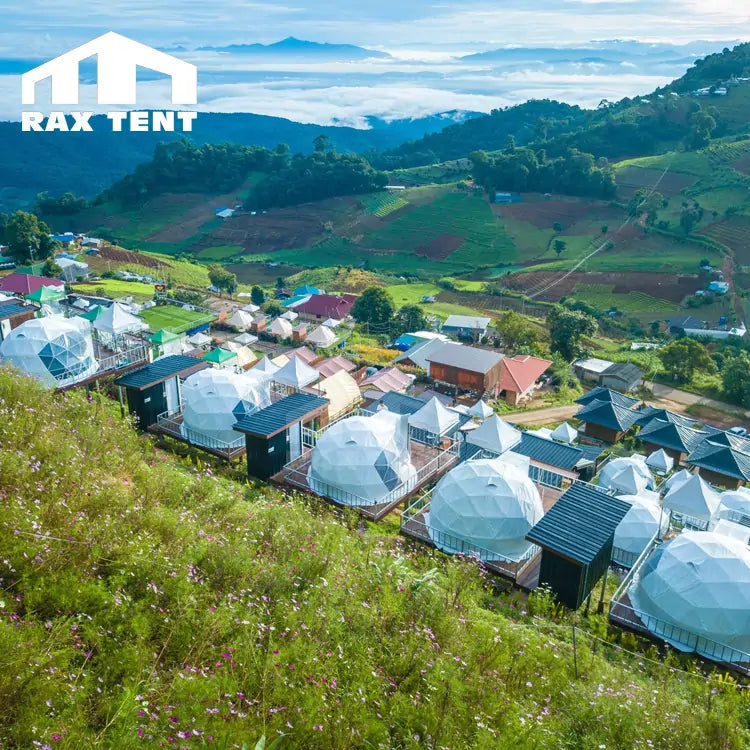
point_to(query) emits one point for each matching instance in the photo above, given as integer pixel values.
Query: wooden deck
(295, 475)
(171, 428)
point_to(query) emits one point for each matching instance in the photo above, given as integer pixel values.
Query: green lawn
(411, 294)
(115, 288)
(174, 319)
(220, 252)
(602, 297)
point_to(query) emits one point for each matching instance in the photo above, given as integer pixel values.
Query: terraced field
(734, 233)
(382, 204)
(603, 297)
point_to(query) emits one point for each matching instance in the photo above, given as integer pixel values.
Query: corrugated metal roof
(651, 412)
(159, 370)
(398, 403)
(580, 524)
(722, 459)
(673, 435)
(277, 416)
(10, 309)
(608, 414)
(465, 357)
(550, 452)
(600, 393)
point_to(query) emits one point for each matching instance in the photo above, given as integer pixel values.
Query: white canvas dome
(55, 351)
(489, 503)
(366, 457)
(699, 581)
(735, 504)
(627, 474)
(639, 526)
(215, 399)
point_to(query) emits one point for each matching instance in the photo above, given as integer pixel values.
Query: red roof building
(332, 365)
(324, 306)
(25, 283)
(307, 355)
(388, 379)
(518, 375)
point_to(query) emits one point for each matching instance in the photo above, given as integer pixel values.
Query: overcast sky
(33, 27)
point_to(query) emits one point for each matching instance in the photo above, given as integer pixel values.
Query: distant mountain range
(292, 47)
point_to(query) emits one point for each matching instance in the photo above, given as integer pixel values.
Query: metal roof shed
(273, 436)
(154, 389)
(576, 538)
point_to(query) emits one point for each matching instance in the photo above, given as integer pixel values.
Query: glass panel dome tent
(490, 503)
(56, 351)
(697, 584)
(215, 399)
(361, 460)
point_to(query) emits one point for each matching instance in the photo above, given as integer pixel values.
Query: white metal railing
(118, 360)
(625, 614)
(171, 422)
(412, 525)
(310, 436)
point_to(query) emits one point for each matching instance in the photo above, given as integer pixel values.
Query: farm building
(681, 323)
(466, 368)
(466, 325)
(323, 306)
(693, 592)
(622, 376)
(12, 313)
(590, 370)
(155, 389)
(576, 536)
(722, 459)
(273, 435)
(72, 269)
(388, 379)
(518, 377)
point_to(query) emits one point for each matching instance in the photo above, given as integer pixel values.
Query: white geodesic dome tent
(645, 519)
(700, 583)
(735, 505)
(627, 474)
(489, 503)
(56, 351)
(361, 460)
(215, 399)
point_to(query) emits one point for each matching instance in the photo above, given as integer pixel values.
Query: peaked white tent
(677, 479)
(296, 374)
(281, 328)
(241, 320)
(495, 435)
(434, 418)
(116, 320)
(699, 582)
(627, 474)
(251, 308)
(565, 433)
(342, 392)
(265, 365)
(199, 340)
(55, 351)
(481, 410)
(645, 519)
(660, 461)
(214, 400)
(322, 337)
(362, 461)
(290, 315)
(245, 339)
(331, 323)
(245, 356)
(735, 505)
(693, 499)
(489, 503)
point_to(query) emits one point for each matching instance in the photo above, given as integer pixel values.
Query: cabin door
(295, 441)
(171, 390)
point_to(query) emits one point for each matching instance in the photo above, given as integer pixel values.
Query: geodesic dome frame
(626, 474)
(215, 399)
(362, 461)
(489, 503)
(56, 351)
(694, 587)
(645, 519)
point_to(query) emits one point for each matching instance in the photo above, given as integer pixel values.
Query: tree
(257, 295)
(655, 326)
(558, 246)
(689, 217)
(646, 202)
(735, 379)
(28, 237)
(605, 228)
(515, 332)
(222, 279)
(273, 308)
(321, 143)
(682, 358)
(279, 282)
(557, 226)
(374, 307)
(51, 269)
(411, 318)
(566, 328)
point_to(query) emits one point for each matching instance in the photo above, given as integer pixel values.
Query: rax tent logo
(118, 59)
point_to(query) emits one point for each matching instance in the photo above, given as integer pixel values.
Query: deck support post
(600, 608)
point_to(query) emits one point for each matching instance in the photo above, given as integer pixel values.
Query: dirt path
(544, 416)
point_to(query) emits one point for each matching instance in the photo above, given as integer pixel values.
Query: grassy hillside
(149, 601)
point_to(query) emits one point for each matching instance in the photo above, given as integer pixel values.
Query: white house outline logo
(117, 60)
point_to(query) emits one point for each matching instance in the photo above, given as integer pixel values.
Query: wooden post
(600, 608)
(122, 405)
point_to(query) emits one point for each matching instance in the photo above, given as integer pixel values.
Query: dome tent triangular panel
(626, 474)
(213, 402)
(489, 503)
(360, 460)
(700, 583)
(56, 351)
(434, 418)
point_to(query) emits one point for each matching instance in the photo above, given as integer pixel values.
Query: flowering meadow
(146, 601)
